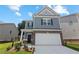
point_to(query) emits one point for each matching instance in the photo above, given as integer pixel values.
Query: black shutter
(41, 21)
(51, 21)
(32, 24)
(28, 24)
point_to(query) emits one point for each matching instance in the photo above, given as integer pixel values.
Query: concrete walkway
(54, 50)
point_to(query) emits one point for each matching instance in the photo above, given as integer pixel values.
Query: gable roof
(8, 26)
(76, 14)
(5, 25)
(46, 11)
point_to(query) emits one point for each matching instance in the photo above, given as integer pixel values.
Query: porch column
(21, 36)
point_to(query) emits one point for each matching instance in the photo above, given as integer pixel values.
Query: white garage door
(47, 39)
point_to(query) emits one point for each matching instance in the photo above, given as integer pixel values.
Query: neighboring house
(70, 27)
(8, 32)
(44, 29)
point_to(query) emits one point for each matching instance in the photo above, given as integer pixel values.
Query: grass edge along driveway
(3, 47)
(73, 46)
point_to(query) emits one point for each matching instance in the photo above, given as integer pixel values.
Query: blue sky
(17, 13)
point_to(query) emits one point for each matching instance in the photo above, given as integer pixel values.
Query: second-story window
(30, 24)
(46, 21)
(70, 22)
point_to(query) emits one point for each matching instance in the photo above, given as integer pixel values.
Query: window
(30, 24)
(70, 22)
(46, 21)
(46, 14)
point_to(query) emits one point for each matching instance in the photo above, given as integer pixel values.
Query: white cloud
(30, 14)
(59, 9)
(49, 6)
(18, 14)
(16, 9)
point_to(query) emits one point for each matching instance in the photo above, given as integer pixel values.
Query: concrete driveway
(54, 50)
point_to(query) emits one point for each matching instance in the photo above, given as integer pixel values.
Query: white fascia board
(47, 16)
(31, 30)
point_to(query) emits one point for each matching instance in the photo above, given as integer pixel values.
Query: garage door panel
(47, 39)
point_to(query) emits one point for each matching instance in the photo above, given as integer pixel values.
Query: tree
(21, 26)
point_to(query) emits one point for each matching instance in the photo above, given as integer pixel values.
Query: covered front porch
(27, 36)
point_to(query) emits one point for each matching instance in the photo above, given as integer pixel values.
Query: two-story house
(8, 32)
(44, 29)
(70, 27)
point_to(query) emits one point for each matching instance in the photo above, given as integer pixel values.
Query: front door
(29, 38)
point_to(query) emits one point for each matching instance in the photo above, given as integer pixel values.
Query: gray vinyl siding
(66, 19)
(70, 31)
(5, 32)
(37, 23)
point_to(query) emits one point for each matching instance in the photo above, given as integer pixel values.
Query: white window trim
(46, 20)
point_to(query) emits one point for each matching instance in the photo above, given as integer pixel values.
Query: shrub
(17, 46)
(25, 47)
(8, 48)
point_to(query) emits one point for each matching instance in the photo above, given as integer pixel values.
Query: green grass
(20, 52)
(3, 47)
(73, 46)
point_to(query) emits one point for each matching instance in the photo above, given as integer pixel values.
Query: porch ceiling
(27, 30)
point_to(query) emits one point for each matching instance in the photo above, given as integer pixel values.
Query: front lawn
(73, 46)
(3, 47)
